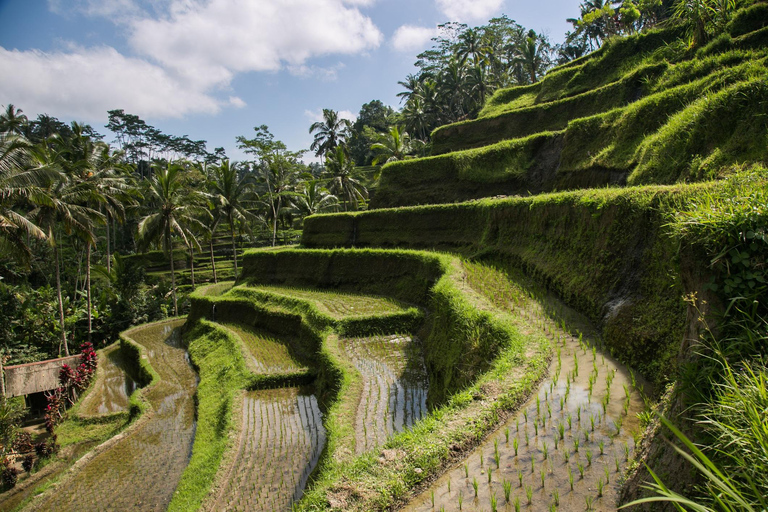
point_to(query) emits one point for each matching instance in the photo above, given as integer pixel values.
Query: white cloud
(116, 10)
(317, 115)
(324, 74)
(210, 42)
(83, 83)
(469, 10)
(410, 38)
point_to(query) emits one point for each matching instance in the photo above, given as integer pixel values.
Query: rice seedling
(576, 445)
(432, 497)
(592, 421)
(525, 414)
(460, 500)
(533, 465)
(588, 453)
(566, 456)
(449, 486)
(580, 467)
(616, 460)
(481, 459)
(549, 410)
(466, 470)
(569, 420)
(556, 497)
(490, 475)
(543, 477)
(601, 445)
(578, 414)
(517, 504)
(515, 445)
(493, 502)
(506, 434)
(607, 474)
(520, 477)
(536, 429)
(562, 402)
(507, 486)
(529, 493)
(538, 406)
(474, 484)
(526, 438)
(496, 455)
(617, 423)
(556, 441)
(588, 500)
(570, 477)
(626, 451)
(545, 449)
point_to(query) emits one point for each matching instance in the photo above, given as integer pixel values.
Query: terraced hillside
(498, 352)
(644, 109)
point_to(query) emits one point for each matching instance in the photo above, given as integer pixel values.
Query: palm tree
(391, 146)
(173, 211)
(12, 120)
(340, 171)
(532, 55)
(230, 194)
(331, 131)
(61, 204)
(18, 180)
(312, 198)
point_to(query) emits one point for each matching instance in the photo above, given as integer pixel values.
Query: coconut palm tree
(12, 120)
(18, 180)
(173, 211)
(391, 146)
(311, 198)
(532, 55)
(230, 194)
(331, 132)
(60, 205)
(342, 181)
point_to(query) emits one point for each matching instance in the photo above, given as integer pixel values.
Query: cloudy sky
(214, 69)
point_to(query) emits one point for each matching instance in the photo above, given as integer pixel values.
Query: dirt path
(141, 470)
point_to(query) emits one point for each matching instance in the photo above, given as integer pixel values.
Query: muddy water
(395, 386)
(536, 429)
(280, 443)
(112, 387)
(141, 471)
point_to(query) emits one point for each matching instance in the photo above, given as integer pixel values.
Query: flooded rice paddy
(112, 387)
(280, 443)
(141, 471)
(340, 305)
(395, 386)
(267, 354)
(565, 449)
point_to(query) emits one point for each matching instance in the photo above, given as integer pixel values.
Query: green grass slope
(642, 110)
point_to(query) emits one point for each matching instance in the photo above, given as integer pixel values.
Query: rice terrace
(539, 284)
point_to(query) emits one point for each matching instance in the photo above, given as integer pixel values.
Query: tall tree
(230, 193)
(332, 131)
(60, 206)
(342, 180)
(173, 211)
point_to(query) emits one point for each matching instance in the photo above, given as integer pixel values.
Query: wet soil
(593, 447)
(279, 445)
(142, 469)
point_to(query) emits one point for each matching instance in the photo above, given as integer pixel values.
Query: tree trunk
(173, 274)
(88, 287)
(109, 253)
(274, 226)
(234, 248)
(213, 260)
(61, 302)
(192, 266)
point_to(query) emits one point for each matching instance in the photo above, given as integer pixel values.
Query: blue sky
(214, 69)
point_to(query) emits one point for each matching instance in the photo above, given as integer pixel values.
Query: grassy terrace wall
(605, 252)
(635, 112)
